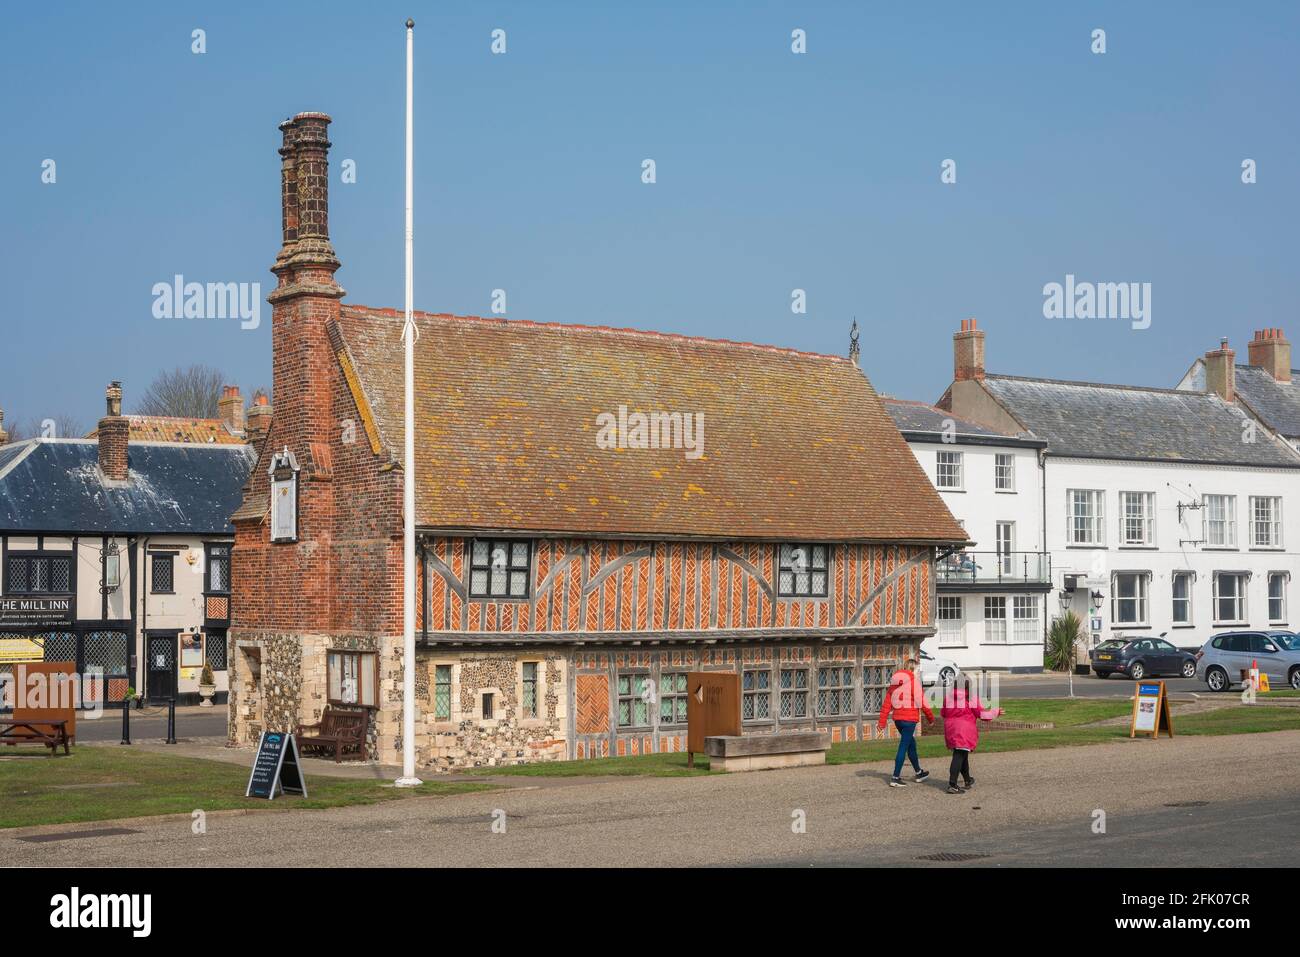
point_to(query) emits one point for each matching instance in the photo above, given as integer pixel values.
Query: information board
(1151, 710)
(712, 708)
(276, 768)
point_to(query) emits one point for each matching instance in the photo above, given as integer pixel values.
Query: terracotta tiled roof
(163, 428)
(796, 445)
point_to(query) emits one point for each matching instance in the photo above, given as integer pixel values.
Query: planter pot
(206, 692)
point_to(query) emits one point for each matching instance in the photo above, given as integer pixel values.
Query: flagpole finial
(410, 24)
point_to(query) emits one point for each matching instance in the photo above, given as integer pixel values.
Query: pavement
(1209, 801)
(150, 724)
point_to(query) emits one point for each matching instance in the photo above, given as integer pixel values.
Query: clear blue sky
(775, 172)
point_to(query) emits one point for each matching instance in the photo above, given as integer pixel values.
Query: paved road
(151, 724)
(1085, 686)
(1028, 807)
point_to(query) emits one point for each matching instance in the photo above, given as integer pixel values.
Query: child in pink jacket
(962, 713)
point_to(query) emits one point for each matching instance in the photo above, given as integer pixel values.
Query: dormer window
(284, 496)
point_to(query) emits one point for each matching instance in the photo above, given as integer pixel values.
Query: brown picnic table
(50, 733)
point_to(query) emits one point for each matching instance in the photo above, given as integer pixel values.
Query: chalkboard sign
(276, 768)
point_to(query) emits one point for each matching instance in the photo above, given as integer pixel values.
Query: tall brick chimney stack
(306, 298)
(1271, 351)
(114, 432)
(968, 352)
(1221, 372)
(258, 422)
(304, 368)
(231, 408)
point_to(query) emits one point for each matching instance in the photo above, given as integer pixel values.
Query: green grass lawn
(102, 783)
(1072, 719)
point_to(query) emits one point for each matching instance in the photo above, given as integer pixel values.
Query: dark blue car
(1139, 658)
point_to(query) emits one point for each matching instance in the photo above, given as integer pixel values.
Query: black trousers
(960, 765)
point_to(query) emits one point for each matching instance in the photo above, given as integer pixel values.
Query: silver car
(1223, 658)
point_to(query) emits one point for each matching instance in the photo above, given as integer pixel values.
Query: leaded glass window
(802, 571)
(162, 569)
(835, 691)
(756, 695)
(530, 689)
(633, 701)
(672, 697)
(794, 692)
(442, 693)
(499, 568)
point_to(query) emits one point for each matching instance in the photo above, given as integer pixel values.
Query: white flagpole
(408, 778)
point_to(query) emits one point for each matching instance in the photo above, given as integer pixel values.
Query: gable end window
(801, 571)
(498, 568)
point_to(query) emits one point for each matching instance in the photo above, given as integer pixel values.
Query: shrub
(1062, 639)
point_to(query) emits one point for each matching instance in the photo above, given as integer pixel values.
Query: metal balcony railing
(978, 568)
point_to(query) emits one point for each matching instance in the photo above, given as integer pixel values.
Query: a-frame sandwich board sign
(276, 769)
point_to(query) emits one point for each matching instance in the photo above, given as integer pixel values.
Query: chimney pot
(968, 352)
(259, 419)
(231, 407)
(114, 433)
(1221, 372)
(1271, 351)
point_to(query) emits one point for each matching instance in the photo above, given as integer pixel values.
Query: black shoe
(921, 776)
(897, 783)
(953, 789)
(970, 783)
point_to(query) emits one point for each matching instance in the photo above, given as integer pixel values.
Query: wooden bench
(51, 734)
(757, 752)
(344, 732)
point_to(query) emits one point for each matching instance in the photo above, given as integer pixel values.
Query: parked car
(1224, 657)
(1139, 658)
(941, 670)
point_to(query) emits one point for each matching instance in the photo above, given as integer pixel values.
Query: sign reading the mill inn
(35, 612)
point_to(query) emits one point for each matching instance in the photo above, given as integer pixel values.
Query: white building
(1164, 511)
(991, 597)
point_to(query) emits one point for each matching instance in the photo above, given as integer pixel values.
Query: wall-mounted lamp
(111, 562)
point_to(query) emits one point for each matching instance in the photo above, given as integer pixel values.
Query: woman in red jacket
(906, 700)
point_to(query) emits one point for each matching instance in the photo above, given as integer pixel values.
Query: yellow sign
(1263, 681)
(21, 649)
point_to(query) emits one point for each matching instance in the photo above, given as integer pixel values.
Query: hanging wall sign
(1151, 710)
(276, 768)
